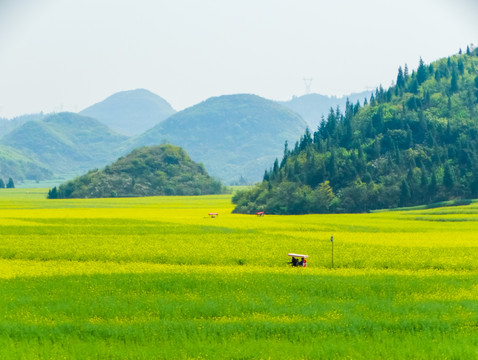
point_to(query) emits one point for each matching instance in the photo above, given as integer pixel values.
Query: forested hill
(414, 143)
(147, 171)
(234, 136)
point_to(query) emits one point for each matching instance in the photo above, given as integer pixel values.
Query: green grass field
(142, 278)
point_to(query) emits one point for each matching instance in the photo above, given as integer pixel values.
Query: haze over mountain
(66, 142)
(312, 107)
(130, 112)
(234, 136)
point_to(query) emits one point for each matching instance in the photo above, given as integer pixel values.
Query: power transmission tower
(307, 82)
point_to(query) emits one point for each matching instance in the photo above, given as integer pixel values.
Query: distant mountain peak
(131, 112)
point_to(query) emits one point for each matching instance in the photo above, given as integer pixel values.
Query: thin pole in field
(332, 241)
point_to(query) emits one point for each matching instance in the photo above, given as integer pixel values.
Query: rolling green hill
(414, 143)
(66, 142)
(130, 112)
(146, 171)
(7, 125)
(234, 136)
(16, 165)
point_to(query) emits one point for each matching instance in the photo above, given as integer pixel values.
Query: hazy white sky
(68, 54)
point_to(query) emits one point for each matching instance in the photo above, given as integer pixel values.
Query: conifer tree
(404, 193)
(461, 66)
(53, 193)
(2, 184)
(454, 82)
(448, 178)
(10, 184)
(400, 78)
(413, 88)
(421, 72)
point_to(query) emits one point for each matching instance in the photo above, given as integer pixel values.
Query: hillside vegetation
(414, 143)
(313, 107)
(65, 142)
(147, 171)
(234, 136)
(7, 125)
(14, 164)
(130, 112)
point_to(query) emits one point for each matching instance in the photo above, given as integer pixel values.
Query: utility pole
(332, 241)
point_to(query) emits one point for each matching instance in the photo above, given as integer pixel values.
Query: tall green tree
(421, 72)
(2, 184)
(10, 184)
(448, 177)
(53, 193)
(454, 82)
(400, 79)
(405, 193)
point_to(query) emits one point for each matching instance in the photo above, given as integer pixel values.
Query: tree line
(414, 143)
(9, 185)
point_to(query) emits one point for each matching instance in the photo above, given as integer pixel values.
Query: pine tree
(332, 166)
(405, 194)
(432, 188)
(400, 78)
(423, 180)
(421, 72)
(372, 100)
(413, 88)
(448, 177)
(461, 66)
(275, 168)
(476, 86)
(53, 193)
(10, 184)
(454, 82)
(286, 154)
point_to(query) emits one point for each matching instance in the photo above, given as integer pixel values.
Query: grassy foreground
(158, 278)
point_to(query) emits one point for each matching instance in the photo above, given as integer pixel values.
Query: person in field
(295, 262)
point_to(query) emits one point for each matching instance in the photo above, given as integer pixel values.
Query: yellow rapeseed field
(160, 278)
